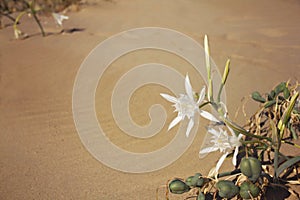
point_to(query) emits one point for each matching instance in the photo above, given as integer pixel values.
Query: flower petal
(214, 132)
(201, 95)
(175, 121)
(188, 88)
(190, 126)
(208, 116)
(169, 98)
(208, 150)
(59, 18)
(213, 173)
(236, 151)
(221, 160)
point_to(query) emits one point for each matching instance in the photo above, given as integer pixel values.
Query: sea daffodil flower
(223, 142)
(187, 106)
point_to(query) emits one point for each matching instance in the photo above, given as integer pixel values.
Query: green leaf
(272, 95)
(294, 134)
(270, 103)
(257, 97)
(286, 93)
(287, 113)
(280, 87)
(287, 164)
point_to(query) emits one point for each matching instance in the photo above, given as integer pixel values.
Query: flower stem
(239, 129)
(276, 154)
(33, 12)
(236, 171)
(291, 143)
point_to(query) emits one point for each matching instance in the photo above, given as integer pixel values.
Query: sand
(42, 156)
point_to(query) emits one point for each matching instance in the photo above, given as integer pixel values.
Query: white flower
(220, 140)
(59, 18)
(187, 106)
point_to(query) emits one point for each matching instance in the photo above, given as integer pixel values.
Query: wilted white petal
(220, 162)
(213, 173)
(174, 122)
(169, 98)
(59, 18)
(214, 132)
(188, 87)
(236, 151)
(201, 95)
(208, 116)
(17, 33)
(190, 126)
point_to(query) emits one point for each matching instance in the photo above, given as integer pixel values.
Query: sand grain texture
(41, 154)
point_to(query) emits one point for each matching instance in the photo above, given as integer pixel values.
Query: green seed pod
(286, 93)
(189, 182)
(200, 182)
(227, 189)
(178, 187)
(248, 190)
(257, 97)
(195, 181)
(201, 196)
(251, 167)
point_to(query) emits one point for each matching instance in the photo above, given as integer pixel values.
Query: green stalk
(32, 10)
(239, 129)
(236, 171)
(291, 143)
(204, 104)
(220, 92)
(18, 19)
(276, 155)
(17, 22)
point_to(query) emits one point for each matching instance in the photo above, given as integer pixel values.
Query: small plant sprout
(259, 164)
(33, 9)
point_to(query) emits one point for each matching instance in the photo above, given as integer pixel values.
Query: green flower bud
(178, 187)
(248, 190)
(251, 167)
(227, 189)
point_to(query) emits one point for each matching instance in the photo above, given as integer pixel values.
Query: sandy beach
(42, 156)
